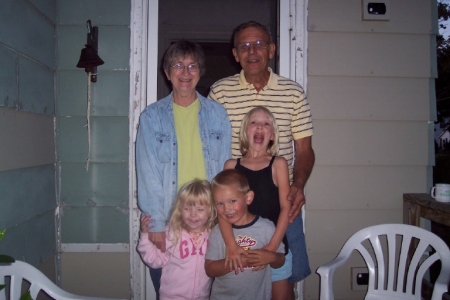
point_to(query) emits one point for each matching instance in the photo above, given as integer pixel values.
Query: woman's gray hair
(183, 49)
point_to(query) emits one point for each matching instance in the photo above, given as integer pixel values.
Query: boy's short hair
(231, 177)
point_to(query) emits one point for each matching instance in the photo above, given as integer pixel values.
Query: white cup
(441, 192)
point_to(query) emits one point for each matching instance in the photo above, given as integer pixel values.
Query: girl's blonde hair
(273, 146)
(195, 192)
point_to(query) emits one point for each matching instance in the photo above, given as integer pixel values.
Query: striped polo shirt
(284, 97)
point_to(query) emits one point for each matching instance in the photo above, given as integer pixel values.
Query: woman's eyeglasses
(179, 67)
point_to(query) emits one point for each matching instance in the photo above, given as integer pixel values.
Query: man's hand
(297, 199)
(158, 239)
(303, 165)
(233, 258)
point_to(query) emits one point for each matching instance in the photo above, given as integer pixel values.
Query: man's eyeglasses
(179, 67)
(257, 45)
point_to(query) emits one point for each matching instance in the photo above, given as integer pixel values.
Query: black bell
(89, 58)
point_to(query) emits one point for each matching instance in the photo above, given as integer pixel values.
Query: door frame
(143, 91)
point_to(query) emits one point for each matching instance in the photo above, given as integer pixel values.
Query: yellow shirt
(190, 153)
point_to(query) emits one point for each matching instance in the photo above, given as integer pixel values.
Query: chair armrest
(326, 272)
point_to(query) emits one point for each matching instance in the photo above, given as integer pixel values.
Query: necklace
(196, 238)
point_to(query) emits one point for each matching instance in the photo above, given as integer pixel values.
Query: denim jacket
(157, 153)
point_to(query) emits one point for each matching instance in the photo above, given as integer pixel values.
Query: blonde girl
(268, 177)
(192, 218)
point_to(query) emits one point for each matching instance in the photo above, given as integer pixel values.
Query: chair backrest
(20, 271)
(397, 257)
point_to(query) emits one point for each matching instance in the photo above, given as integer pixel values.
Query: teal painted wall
(94, 202)
(43, 100)
(27, 149)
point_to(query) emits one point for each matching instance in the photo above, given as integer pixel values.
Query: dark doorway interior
(210, 23)
(220, 63)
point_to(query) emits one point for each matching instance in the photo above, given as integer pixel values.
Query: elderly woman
(181, 137)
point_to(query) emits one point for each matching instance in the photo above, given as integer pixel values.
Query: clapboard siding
(371, 89)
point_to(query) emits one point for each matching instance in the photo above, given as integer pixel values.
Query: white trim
(300, 49)
(152, 51)
(138, 93)
(284, 38)
(151, 70)
(293, 40)
(95, 247)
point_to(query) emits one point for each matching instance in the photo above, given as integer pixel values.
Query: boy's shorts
(283, 272)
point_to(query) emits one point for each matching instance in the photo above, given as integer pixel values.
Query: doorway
(155, 24)
(210, 23)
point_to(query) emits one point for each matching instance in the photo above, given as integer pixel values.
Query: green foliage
(443, 13)
(4, 258)
(443, 65)
(26, 296)
(441, 170)
(8, 259)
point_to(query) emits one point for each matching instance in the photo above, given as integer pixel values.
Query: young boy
(232, 195)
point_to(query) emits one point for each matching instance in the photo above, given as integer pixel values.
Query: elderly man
(257, 85)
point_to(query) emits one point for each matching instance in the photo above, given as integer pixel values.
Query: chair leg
(298, 290)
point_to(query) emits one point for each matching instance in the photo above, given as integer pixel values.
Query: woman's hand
(157, 238)
(145, 223)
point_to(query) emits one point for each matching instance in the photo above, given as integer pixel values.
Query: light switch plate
(354, 272)
(376, 10)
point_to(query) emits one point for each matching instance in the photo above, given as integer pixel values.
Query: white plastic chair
(399, 279)
(20, 271)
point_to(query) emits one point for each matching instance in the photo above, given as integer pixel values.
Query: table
(416, 206)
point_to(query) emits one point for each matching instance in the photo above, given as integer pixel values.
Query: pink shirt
(183, 265)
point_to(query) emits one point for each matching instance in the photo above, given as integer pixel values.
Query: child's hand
(244, 260)
(145, 223)
(233, 258)
(260, 258)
